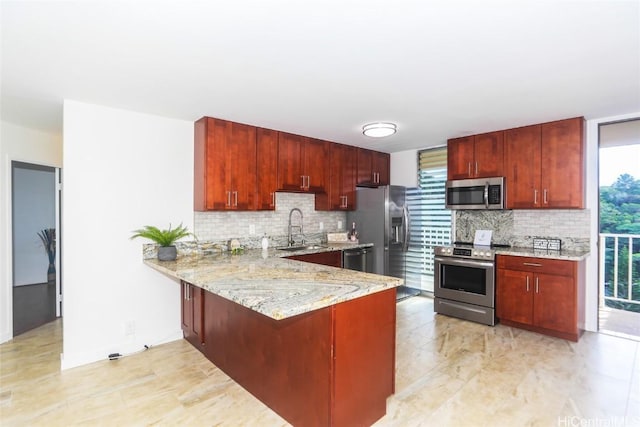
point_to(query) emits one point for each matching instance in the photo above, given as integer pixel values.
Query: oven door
(465, 280)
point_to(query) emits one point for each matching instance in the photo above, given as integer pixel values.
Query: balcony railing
(620, 271)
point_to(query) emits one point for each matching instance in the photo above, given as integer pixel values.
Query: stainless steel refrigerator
(382, 218)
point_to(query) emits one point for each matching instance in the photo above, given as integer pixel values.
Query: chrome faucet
(290, 241)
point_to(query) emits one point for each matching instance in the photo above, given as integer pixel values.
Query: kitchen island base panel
(329, 367)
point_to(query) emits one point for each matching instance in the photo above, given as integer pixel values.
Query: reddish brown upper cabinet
(192, 315)
(224, 165)
(542, 295)
(544, 165)
(373, 168)
(476, 156)
(267, 169)
(302, 163)
(342, 180)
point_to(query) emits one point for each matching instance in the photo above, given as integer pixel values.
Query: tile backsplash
(211, 226)
(520, 227)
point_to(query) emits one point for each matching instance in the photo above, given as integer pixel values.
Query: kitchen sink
(300, 248)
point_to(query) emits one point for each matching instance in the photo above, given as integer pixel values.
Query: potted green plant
(165, 238)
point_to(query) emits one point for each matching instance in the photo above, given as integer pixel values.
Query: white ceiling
(438, 69)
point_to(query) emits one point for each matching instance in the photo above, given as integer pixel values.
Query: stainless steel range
(465, 282)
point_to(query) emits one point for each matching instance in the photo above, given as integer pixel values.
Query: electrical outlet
(339, 225)
(252, 229)
(321, 225)
(130, 327)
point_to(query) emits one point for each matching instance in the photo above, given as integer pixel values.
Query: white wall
(122, 170)
(404, 168)
(25, 145)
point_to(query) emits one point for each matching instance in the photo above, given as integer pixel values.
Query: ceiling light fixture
(379, 130)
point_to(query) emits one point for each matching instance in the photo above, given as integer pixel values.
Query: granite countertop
(541, 253)
(270, 284)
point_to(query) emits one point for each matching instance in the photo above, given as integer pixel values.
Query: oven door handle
(463, 262)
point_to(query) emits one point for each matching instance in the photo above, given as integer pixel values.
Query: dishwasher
(359, 259)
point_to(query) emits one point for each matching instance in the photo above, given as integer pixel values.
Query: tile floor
(449, 373)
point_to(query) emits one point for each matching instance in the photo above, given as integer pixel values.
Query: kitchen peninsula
(314, 343)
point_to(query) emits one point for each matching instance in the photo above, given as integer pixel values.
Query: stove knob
(475, 253)
(448, 250)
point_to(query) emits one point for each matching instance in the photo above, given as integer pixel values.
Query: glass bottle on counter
(353, 234)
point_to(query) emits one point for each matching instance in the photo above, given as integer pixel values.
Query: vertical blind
(430, 221)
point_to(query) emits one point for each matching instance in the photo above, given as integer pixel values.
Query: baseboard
(69, 361)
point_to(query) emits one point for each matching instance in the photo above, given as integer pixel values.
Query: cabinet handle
(537, 289)
(476, 168)
(535, 197)
(308, 182)
(228, 198)
(527, 283)
(468, 168)
(544, 196)
(302, 178)
(532, 264)
(273, 199)
(346, 201)
(235, 195)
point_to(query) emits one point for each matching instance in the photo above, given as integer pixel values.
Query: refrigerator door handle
(405, 243)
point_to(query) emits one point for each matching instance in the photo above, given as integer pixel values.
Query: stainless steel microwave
(477, 193)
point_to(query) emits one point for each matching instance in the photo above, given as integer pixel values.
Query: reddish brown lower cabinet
(540, 294)
(192, 321)
(334, 366)
(332, 258)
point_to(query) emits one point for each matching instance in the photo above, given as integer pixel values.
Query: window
(430, 221)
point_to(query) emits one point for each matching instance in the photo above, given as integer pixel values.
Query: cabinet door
(192, 318)
(197, 323)
(266, 168)
(514, 296)
(460, 158)
(522, 167)
(562, 164)
(332, 258)
(217, 178)
(240, 168)
(365, 166)
(315, 165)
(187, 309)
(290, 176)
(342, 179)
(349, 177)
(554, 304)
(381, 168)
(488, 155)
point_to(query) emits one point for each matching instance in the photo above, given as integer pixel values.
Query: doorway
(619, 228)
(35, 205)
